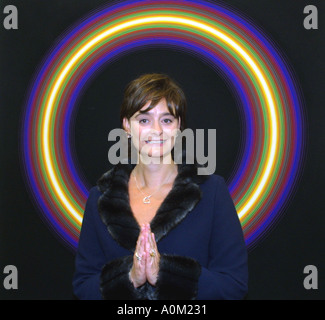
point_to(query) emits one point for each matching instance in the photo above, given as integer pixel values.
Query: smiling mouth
(155, 141)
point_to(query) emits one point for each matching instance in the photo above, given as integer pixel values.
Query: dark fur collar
(116, 213)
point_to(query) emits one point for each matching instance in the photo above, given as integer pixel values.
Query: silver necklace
(146, 198)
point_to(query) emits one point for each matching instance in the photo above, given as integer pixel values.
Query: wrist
(132, 280)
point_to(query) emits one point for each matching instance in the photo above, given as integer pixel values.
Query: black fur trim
(178, 278)
(115, 282)
(116, 213)
(114, 206)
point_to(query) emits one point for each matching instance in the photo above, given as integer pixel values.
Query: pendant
(146, 199)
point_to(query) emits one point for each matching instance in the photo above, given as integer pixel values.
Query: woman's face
(153, 132)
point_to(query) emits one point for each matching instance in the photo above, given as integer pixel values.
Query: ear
(179, 123)
(126, 125)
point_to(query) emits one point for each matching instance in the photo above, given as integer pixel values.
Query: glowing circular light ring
(152, 20)
(63, 205)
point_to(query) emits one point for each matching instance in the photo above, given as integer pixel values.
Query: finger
(147, 245)
(156, 258)
(138, 245)
(151, 252)
(154, 242)
(136, 252)
(139, 254)
(154, 249)
(142, 248)
(149, 234)
(140, 235)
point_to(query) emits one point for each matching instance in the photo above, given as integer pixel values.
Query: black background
(45, 266)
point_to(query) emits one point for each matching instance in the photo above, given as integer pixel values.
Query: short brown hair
(153, 87)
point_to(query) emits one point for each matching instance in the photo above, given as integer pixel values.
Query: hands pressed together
(146, 259)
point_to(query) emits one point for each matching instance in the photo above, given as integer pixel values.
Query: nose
(156, 127)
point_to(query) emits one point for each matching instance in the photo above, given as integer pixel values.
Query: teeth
(154, 142)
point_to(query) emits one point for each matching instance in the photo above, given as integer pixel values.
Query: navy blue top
(210, 234)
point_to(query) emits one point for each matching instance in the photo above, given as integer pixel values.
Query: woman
(157, 229)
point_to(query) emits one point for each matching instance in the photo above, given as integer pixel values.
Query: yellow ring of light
(173, 20)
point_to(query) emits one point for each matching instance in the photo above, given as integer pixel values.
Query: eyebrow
(149, 113)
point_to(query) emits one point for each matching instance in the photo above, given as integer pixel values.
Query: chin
(156, 155)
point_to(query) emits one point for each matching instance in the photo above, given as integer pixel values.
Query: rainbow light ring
(273, 134)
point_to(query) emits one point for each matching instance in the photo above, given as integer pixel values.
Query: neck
(155, 174)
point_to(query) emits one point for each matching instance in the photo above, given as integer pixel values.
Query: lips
(155, 141)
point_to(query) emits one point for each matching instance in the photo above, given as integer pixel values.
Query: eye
(167, 121)
(143, 121)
